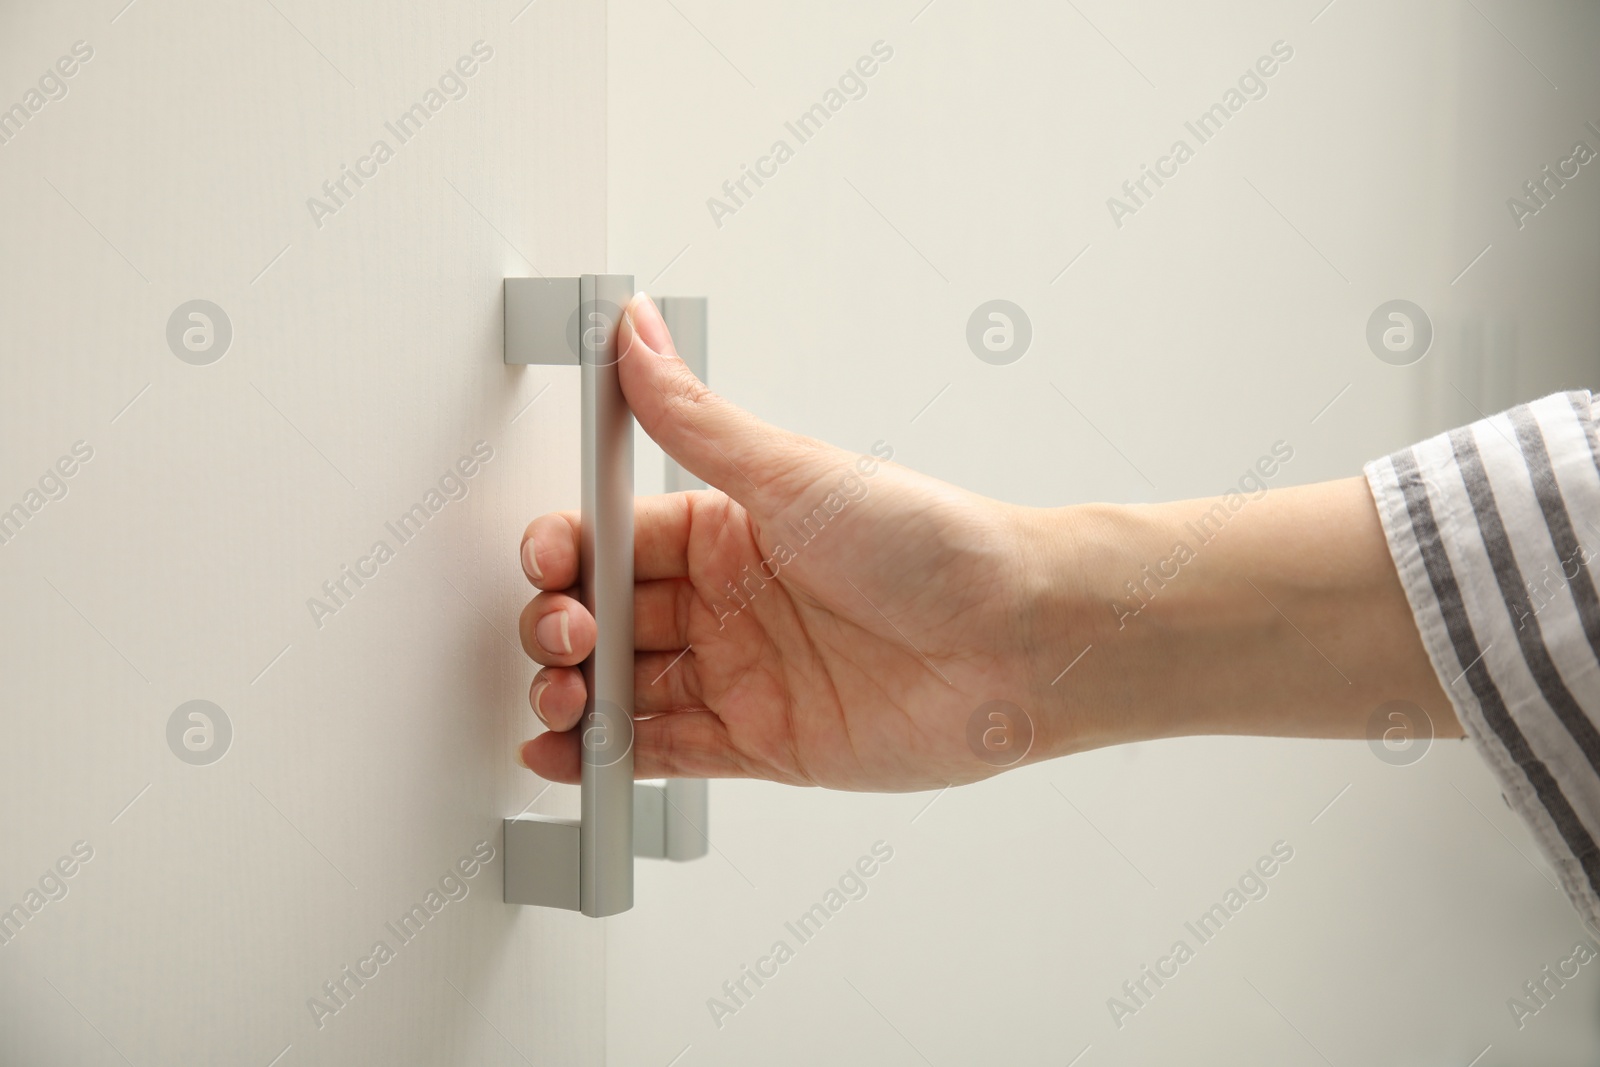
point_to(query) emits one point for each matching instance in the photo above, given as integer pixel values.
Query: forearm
(1282, 616)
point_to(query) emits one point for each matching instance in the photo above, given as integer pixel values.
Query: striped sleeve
(1492, 528)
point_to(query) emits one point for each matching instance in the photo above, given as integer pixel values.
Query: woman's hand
(821, 618)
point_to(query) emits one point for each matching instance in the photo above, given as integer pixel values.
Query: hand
(817, 618)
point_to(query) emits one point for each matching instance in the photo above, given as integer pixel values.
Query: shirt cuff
(1492, 528)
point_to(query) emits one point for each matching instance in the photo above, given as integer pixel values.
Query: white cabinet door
(262, 479)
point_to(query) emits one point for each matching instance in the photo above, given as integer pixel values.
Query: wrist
(1075, 560)
(1132, 635)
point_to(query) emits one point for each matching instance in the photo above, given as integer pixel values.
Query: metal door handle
(587, 865)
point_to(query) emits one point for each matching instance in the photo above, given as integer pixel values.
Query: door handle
(587, 864)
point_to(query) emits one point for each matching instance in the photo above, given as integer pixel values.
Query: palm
(855, 666)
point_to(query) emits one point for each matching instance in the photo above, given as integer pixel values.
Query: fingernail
(530, 561)
(520, 758)
(641, 306)
(553, 633)
(538, 699)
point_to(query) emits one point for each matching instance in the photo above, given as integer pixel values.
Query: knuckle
(688, 394)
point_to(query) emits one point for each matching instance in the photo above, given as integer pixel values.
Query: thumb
(757, 464)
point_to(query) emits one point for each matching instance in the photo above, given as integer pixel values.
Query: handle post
(671, 815)
(605, 847)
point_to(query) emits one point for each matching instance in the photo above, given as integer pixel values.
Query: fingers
(689, 744)
(750, 460)
(556, 630)
(661, 527)
(662, 682)
(550, 550)
(557, 697)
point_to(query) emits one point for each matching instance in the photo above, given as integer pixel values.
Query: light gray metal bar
(688, 809)
(540, 321)
(669, 819)
(541, 862)
(678, 807)
(650, 819)
(551, 862)
(605, 849)
(685, 317)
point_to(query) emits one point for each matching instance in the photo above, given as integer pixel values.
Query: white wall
(1223, 316)
(370, 754)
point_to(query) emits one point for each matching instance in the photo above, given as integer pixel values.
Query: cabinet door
(262, 480)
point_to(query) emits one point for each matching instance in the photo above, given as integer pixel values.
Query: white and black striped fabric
(1492, 528)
